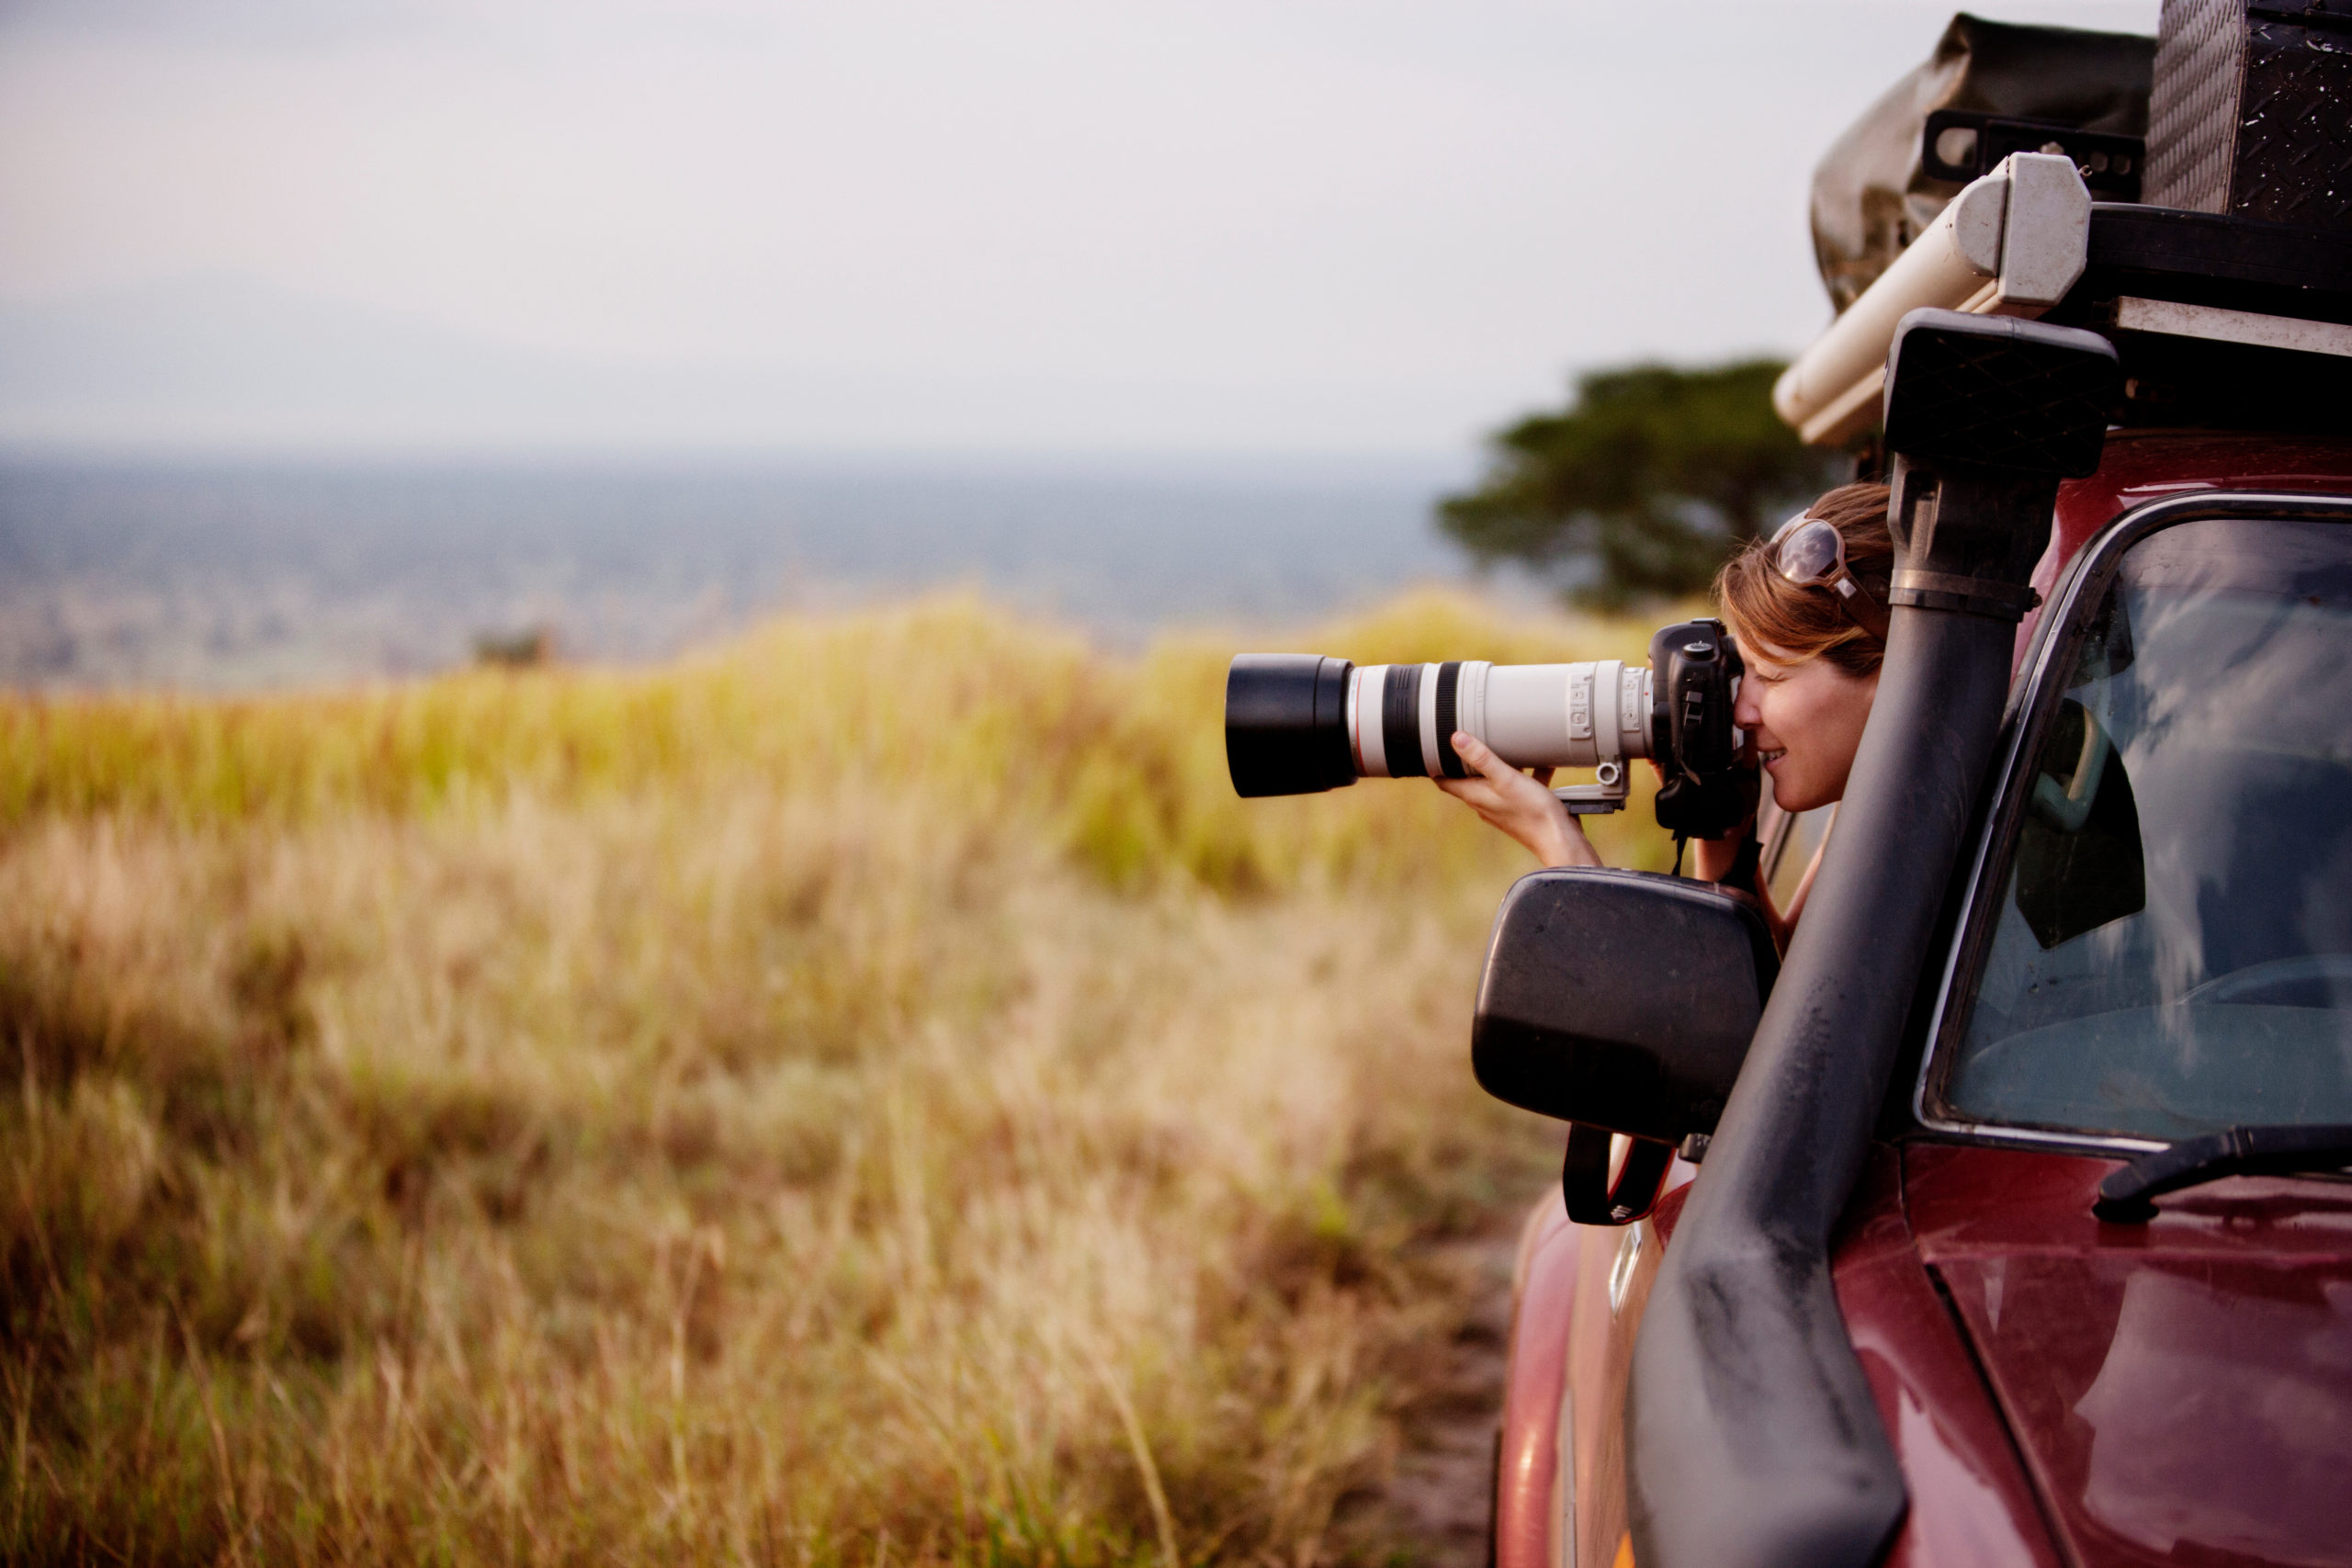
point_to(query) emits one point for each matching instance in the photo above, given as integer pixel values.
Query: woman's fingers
(1477, 789)
(1521, 805)
(1488, 789)
(1476, 793)
(1481, 756)
(1511, 788)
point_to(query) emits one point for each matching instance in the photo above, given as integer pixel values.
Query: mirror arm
(1591, 1197)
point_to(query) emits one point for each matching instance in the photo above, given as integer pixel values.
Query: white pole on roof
(2009, 244)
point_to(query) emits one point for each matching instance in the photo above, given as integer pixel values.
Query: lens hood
(1286, 724)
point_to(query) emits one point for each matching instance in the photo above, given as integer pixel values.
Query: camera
(1300, 722)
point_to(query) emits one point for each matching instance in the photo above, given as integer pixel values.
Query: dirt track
(1433, 1512)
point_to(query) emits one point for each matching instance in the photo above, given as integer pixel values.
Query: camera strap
(1744, 865)
(1742, 874)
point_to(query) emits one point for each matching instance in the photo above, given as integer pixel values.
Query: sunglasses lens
(1810, 554)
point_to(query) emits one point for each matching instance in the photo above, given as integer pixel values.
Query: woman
(1808, 609)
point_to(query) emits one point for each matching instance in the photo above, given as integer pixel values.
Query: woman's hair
(1762, 606)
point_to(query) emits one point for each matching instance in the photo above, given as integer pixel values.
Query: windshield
(2173, 949)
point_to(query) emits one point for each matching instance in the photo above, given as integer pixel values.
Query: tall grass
(869, 1092)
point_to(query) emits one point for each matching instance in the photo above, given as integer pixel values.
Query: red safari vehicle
(2019, 1228)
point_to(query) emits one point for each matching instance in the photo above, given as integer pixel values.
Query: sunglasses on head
(1811, 553)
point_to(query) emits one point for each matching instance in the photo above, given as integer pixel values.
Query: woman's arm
(1521, 805)
(1784, 922)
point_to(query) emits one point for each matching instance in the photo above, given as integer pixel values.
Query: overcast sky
(993, 225)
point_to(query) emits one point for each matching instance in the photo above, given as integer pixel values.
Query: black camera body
(1708, 789)
(1298, 724)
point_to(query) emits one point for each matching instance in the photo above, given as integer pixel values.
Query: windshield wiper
(2126, 1197)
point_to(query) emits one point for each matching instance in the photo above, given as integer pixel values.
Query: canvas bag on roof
(1870, 195)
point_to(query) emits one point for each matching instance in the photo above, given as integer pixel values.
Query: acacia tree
(1644, 484)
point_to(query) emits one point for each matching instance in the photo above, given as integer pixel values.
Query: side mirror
(1621, 1001)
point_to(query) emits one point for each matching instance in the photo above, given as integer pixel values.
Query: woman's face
(1805, 717)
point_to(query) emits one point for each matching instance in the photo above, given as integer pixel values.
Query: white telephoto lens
(1401, 718)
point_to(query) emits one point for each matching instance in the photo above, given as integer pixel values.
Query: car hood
(2181, 1392)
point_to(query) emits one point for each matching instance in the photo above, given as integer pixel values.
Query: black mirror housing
(1620, 999)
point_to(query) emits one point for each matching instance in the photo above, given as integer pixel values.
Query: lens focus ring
(1449, 683)
(1400, 722)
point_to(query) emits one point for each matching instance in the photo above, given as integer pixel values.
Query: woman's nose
(1746, 712)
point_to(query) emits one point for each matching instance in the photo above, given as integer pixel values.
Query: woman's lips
(1770, 757)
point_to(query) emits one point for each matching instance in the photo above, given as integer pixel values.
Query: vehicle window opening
(2171, 953)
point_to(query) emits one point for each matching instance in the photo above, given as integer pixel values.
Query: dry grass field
(866, 1094)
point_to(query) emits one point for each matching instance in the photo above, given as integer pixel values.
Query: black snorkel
(1751, 1433)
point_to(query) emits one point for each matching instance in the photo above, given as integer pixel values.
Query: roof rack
(2228, 295)
(2186, 297)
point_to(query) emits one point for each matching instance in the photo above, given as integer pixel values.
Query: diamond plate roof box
(2250, 115)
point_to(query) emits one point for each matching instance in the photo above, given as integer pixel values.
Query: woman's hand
(1712, 859)
(1521, 805)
